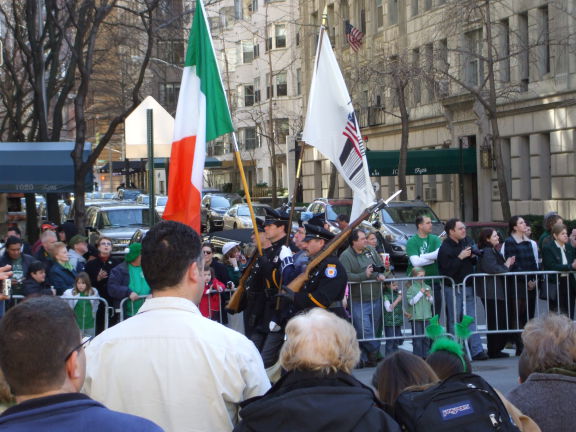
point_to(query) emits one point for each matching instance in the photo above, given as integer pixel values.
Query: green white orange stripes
(202, 115)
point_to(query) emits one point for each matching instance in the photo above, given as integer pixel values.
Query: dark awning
(136, 166)
(39, 167)
(437, 161)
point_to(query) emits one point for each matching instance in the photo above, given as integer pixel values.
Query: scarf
(138, 285)
(67, 265)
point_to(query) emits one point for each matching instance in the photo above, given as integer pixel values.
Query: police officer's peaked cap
(317, 232)
(260, 223)
(275, 217)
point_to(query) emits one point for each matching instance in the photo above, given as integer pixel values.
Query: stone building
(444, 52)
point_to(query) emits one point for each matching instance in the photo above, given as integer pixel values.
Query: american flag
(353, 152)
(354, 36)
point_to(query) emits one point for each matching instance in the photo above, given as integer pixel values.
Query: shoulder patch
(331, 271)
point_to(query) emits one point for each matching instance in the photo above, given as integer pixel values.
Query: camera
(378, 269)
(6, 287)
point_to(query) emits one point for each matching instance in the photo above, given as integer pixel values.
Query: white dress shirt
(171, 365)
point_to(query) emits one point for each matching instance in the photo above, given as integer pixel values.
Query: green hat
(77, 239)
(134, 252)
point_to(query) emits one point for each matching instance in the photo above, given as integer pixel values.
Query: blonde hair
(56, 247)
(550, 342)
(320, 341)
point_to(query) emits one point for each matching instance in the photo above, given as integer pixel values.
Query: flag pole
(247, 193)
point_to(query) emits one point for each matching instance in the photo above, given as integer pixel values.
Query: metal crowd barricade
(504, 302)
(101, 303)
(126, 301)
(367, 314)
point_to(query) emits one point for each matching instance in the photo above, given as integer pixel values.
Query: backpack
(463, 402)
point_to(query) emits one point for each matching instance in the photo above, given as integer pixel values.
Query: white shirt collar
(181, 303)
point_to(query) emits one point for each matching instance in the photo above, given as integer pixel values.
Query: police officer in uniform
(326, 284)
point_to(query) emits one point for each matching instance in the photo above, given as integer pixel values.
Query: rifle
(333, 245)
(236, 300)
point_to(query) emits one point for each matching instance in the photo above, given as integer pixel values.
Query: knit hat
(228, 247)
(134, 252)
(77, 239)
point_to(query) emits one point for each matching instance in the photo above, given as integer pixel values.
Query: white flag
(331, 126)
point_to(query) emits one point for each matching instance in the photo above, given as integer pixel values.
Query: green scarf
(83, 312)
(138, 285)
(67, 265)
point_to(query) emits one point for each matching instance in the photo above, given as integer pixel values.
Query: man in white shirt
(168, 363)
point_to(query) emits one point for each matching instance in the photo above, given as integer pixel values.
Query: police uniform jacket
(325, 287)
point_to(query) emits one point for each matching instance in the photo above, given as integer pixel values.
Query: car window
(161, 201)
(124, 217)
(335, 210)
(245, 211)
(219, 201)
(407, 215)
(144, 200)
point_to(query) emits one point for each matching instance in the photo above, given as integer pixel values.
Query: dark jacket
(26, 261)
(31, 287)
(61, 278)
(491, 262)
(118, 282)
(305, 401)
(552, 257)
(220, 271)
(548, 398)
(93, 267)
(448, 262)
(70, 412)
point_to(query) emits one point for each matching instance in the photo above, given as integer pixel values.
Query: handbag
(548, 291)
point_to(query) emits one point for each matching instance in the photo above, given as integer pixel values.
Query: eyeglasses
(105, 244)
(85, 341)
(207, 252)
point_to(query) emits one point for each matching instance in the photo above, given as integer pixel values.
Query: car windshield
(406, 215)
(335, 210)
(258, 211)
(125, 217)
(108, 195)
(131, 194)
(144, 200)
(161, 201)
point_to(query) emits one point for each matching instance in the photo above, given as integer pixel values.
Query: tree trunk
(31, 218)
(52, 208)
(403, 160)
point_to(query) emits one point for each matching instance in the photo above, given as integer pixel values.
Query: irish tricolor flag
(202, 115)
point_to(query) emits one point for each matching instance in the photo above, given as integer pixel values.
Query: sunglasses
(207, 252)
(85, 341)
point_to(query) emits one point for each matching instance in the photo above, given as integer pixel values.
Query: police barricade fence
(213, 303)
(86, 313)
(411, 302)
(503, 303)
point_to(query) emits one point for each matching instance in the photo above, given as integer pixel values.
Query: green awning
(420, 162)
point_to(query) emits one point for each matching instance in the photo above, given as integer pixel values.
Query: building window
(169, 94)
(473, 65)
(269, 90)
(280, 36)
(417, 94)
(427, 5)
(544, 40)
(248, 95)
(428, 71)
(392, 12)
(281, 130)
(227, 16)
(247, 51)
(257, 90)
(256, 50)
(379, 14)
(254, 6)
(362, 15)
(281, 84)
(238, 11)
(523, 57)
(414, 7)
(345, 14)
(171, 51)
(250, 138)
(298, 82)
(504, 39)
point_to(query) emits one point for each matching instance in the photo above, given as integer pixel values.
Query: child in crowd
(420, 302)
(393, 316)
(84, 310)
(35, 283)
(210, 302)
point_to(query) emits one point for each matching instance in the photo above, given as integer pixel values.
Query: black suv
(214, 205)
(395, 224)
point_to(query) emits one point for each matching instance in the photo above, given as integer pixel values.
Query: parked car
(160, 205)
(117, 221)
(473, 229)
(127, 194)
(332, 208)
(395, 223)
(238, 216)
(213, 208)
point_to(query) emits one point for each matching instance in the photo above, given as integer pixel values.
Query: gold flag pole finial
(325, 15)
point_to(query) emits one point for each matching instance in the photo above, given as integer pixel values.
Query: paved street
(500, 373)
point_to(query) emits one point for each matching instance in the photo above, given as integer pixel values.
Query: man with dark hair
(456, 260)
(422, 251)
(14, 231)
(43, 361)
(342, 221)
(20, 263)
(168, 363)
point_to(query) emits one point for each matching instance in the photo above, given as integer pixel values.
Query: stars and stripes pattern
(354, 36)
(353, 153)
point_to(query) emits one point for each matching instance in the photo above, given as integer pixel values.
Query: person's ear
(74, 367)
(194, 274)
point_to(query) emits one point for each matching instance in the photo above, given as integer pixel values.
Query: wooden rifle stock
(236, 299)
(334, 244)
